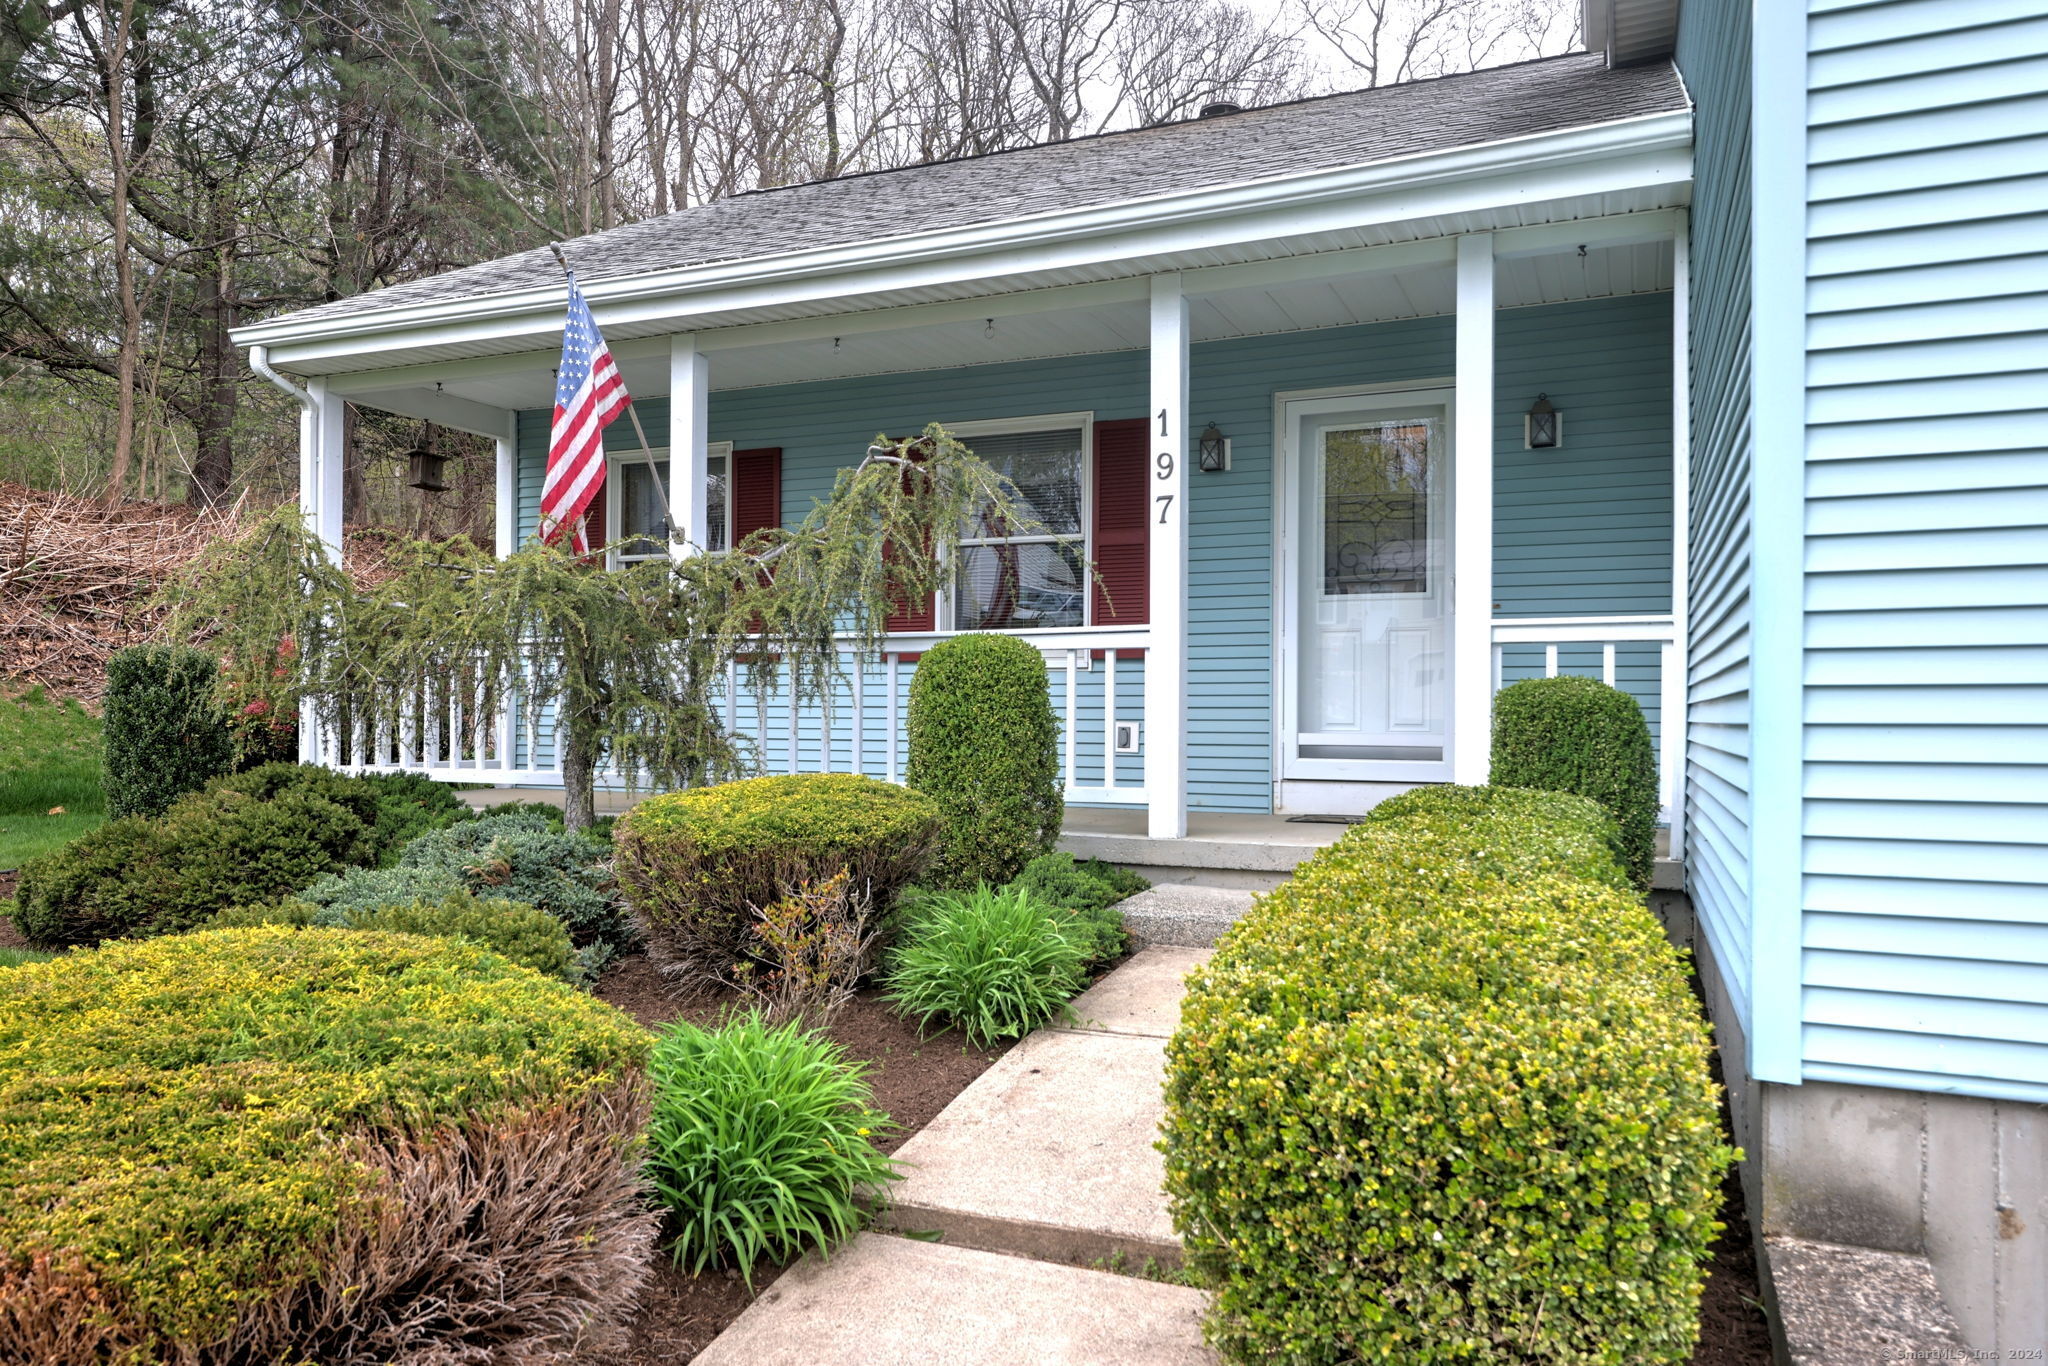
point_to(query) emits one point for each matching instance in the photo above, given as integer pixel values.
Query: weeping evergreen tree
(630, 660)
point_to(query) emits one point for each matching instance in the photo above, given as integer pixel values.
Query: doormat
(1324, 820)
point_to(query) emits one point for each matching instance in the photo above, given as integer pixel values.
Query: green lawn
(49, 758)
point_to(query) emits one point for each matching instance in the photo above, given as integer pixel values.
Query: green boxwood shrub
(397, 807)
(525, 934)
(134, 878)
(1444, 1096)
(524, 858)
(984, 745)
(271, 1145)
(996, 962)
(164, 734)
(1574, 734)
(700, 866)
(761, 1142)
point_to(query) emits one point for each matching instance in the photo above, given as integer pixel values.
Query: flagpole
(632, 411)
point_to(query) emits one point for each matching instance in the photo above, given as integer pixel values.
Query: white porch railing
(1096, 680)
(1641, 655)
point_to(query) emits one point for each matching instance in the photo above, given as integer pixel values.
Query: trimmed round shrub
(701, 866)
(524, 934)
(996, 962)
(1440, 1098)
(524, 858)
(134, 878)
(273, 1145)
(984, 745)
(164, 734)
(1574, 734)
(761, 1142)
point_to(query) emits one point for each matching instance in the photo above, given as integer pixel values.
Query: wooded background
(172, 168)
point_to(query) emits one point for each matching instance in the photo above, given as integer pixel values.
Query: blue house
(1709, 361)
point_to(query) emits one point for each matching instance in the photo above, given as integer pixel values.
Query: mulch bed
(1733, 1329)
(913, 1079)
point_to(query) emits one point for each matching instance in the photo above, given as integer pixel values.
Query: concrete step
(1049, 1153)
(892, 1300)
(1186, 914)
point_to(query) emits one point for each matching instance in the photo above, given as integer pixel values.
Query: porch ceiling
(1326, 283)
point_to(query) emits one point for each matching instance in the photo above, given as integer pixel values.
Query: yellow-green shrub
(269, 1144)
(1444, 1096)
(701, 865)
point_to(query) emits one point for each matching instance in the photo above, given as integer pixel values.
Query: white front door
(1366, 626)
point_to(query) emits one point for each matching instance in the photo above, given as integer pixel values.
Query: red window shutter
(1122, 528)
(756, 491)
(593, 518)
(912, 617)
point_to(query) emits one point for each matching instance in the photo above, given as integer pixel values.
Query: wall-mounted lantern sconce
(1214, 450)
(1543, 426)
(425, 470)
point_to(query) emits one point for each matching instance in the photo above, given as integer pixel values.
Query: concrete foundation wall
(1959, 1180)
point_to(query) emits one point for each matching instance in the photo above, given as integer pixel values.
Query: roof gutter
(655, 293)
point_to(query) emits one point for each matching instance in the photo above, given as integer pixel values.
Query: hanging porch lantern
(1543, 426)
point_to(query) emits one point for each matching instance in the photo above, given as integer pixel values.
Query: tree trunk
(213, 468)
(577, 732)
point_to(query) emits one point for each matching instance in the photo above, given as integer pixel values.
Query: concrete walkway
(1047, 1157)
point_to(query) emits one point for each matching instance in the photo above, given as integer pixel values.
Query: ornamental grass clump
(1444, 1096)
(273, 1144)
(984, 745)
(1575, 734)
(701, 866)
(997, 962)
(761, 1142)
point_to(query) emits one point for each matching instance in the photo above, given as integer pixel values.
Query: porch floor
(1251, 850)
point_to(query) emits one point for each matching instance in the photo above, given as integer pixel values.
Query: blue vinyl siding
(1924, 840)
(1581, 530)
(1714, 55)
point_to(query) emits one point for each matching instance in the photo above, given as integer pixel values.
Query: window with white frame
(1007, 582)
(636, 513)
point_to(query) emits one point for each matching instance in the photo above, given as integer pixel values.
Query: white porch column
(328, 459)
(1472, 517)
(689, 423)
(1166, 654)
(507, 513)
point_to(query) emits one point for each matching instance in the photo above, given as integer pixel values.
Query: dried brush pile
(77, 578)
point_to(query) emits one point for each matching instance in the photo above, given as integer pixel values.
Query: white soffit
(1342, 299)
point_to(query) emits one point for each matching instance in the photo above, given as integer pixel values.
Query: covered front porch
(1189, 686)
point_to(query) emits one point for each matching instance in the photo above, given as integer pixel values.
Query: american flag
(589, 396)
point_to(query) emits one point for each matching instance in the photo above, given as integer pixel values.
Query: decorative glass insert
(1376, 481)
(1004, 582)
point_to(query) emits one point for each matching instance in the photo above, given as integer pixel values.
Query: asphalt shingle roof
(1325, 133)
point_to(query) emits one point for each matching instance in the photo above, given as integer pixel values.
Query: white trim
(1648, 225)
(330, 455)
(1648, 149)
(1166, 659)
(1084, 422)
(1472, 516)
(1674, 720)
